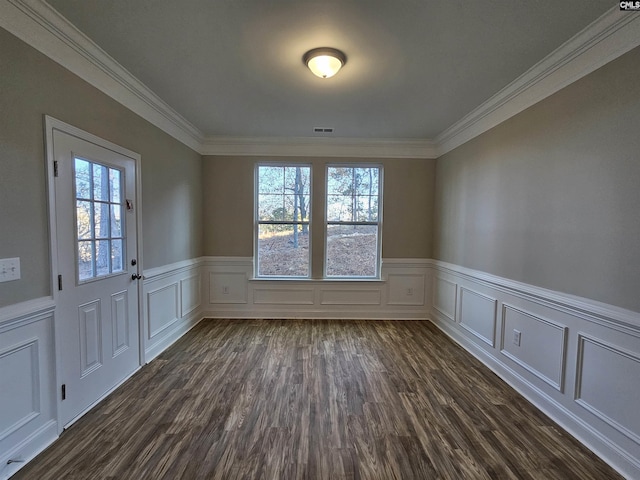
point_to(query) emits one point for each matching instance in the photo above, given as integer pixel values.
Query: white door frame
(50, 125)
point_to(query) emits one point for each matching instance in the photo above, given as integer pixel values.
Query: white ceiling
(415, 67)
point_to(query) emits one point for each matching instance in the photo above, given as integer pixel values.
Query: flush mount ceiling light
(324, 62)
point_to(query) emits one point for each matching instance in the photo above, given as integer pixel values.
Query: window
(283, 211)
(352, 241)
(99, 227)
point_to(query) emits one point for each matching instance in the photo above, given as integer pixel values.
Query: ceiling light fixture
(324, 62)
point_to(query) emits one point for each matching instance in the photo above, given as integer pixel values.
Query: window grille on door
(100, 228)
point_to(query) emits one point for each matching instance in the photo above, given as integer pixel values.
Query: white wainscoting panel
(228, 287)
(445, 293)
(27, 382)
(190, 294)
(478, 315)
(578, 360)
(406, 289)
(172, 301)
(20, 378)
(283, 295)
(350, 296)
(163, 307)
(233, 292)
(542, 345)
(607, 379)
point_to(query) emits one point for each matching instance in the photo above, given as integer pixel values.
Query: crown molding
(319, 147)
(41, 26)
(604, 40)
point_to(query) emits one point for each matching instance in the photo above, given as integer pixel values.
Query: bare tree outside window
(99, 228)
(353, 221)
(283, 206)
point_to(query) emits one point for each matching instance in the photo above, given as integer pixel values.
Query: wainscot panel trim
(233, 293)
(20, 314)
(183, 282)
(26, 330)
(579, 320)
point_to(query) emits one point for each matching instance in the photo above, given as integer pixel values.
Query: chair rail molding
(576, 359)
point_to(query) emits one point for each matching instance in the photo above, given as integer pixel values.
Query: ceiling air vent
(322, 129)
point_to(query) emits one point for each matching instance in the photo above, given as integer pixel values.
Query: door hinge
(55, 168)
(59, 282)
(64, 391)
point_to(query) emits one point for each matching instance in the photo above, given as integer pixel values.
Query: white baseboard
(551, 367)
(27, 449)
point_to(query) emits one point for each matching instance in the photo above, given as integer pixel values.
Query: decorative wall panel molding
(27, 367)
(478, 315)
(607, 395)
(576, 359)
(541, 346)
(445, 296)
(163, 306)
(173, 304)
(400, 293)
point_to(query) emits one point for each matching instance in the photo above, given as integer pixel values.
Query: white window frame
(257, 222)
(377, 275)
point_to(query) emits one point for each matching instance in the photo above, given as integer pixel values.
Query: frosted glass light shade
(324, 62)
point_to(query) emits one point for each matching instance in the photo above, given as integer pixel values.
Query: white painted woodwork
(478, 315)
(234, 293)
(601, 358)
(121, 322)
(190, 294)
(84, 317)
(173, 304)
(542, 344)
(162, 305)
(607, 380)
(406, 289)
(445, 295)
(27, 379)
(350, 296)
(578, 359)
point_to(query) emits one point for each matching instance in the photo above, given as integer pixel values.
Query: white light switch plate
(9, 269)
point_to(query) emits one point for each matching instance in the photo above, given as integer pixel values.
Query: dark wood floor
(272, 399)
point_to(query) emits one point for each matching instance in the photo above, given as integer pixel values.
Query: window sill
(317, 280)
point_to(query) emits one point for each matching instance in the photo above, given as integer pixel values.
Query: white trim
(172, 268)
(607, 38)
(28, 449)
(42, 27)
(13, 316)
(319, 147)
(574, 318)
(610, 316)
(585, 433)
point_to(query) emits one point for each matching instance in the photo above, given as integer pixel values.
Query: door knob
(136, 277)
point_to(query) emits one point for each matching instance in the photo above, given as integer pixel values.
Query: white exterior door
(97, 327)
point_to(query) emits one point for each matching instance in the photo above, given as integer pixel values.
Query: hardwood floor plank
(311, 399)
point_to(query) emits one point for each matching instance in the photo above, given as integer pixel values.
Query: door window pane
(99, 229)
(85, 260)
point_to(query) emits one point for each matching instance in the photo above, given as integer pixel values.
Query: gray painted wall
(32, 85)
(407, 210)
(552, 196)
